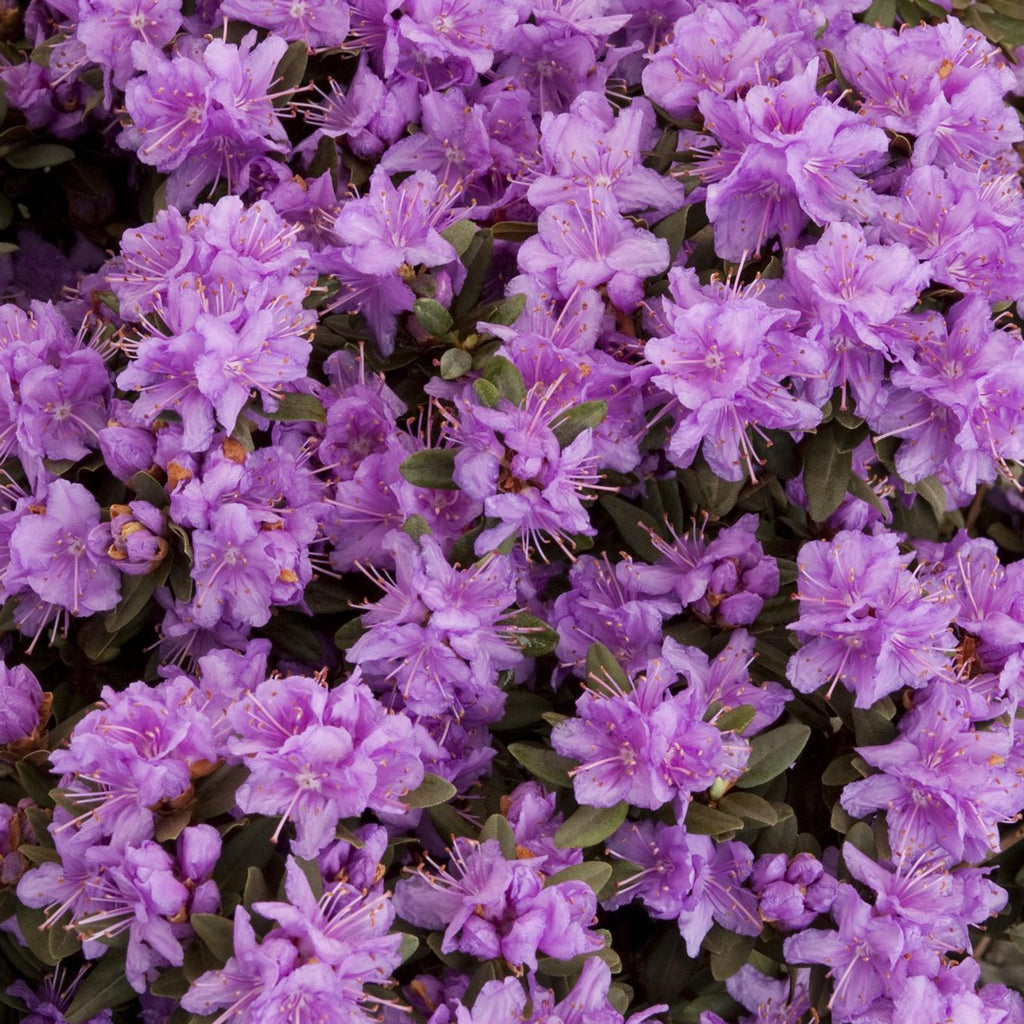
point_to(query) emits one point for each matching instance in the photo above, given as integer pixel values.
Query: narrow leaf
(433, 790)
(431, 467)
(590, 825)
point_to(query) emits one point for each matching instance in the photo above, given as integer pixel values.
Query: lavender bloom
(586, 242)
(864, 954)
(436, 635)
(23, 708)
(944, 784)
(48, 1003)
(724, 357)
(793, 892)
(318, 23)
(512, 461)
(135, 538)
(646, 746)
(205, 118)
(136, 757)
(686, 877)
(769, 1001)
(605, 604)
(727, 578)
(866, 621)
(385, 235)
(495, 907)
(316, 757)
(51, 567)
(108, 28)
(531, 813)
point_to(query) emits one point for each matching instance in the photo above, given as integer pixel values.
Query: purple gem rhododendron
(511, 512)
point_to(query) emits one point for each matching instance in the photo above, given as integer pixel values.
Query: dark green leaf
(296, 407)
(431, 467)
(291, 67)
(436, 320)
(415, 526)
(256, 889)
(827, 466)
(736, 719)
(932, 491)
(148, 489)
(497, 827)
(543, 764)
(40, 157)
(249, 846)
(105, 986)
(454, 363)
(37, 782)
(408, 946)
(635, 525)
(842, 770)
(215, 793)
(136, 592)
(534, 637)
(514, 230)
(62, 943)
(170, 983)
(595, 873)
(523, 708)
(604, 670)
(460, 235)
(708, 491)
(871, 728)
(487, 394)
(216, 932)
(709, 821)
(449, 822)
(772, 752)
(433, 790)
(571, 423)
(477, 261)
(505, 376)
(729, 951)
(508, 312)
(749, 807)
(590, 825)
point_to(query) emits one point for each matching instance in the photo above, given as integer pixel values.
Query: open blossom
(490, 906)
(866, 621)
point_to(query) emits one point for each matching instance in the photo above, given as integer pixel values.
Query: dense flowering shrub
(511, 512)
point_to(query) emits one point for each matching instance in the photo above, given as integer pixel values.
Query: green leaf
(415, 526)
(749, 807)
(571, 423)
(497, 827)
(435, 319)
(827, 467)
(449, 822)
(408, 946)
(708, 491)
(772, 752)
(507, 312)
(514, 230)
(36, 782)
(881, 12)
(872, 729)
(505, 376)
(543, 764)
(534, 637)
(454, 363)
(635, 526)
(487, 394)
(104, 987)
(40, 157)
(842, 770)
(62, 943)
(590, 825)
(460, 235)
(932, 491)
(256, 889)
(433, 790)
(729, 951)
(605, 671)
(709, 821)
(523, 708)
(431, 467)
(295, 407)
(148, 489)
(170, 983)
(215, 793)
(217, 933)
(291, 68)
(136, 592)
(596, 873)
(736, 719)
(249, 846)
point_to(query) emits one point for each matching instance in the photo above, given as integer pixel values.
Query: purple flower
(793, 892)
(491, 907)
(21, 704)
(108, 28)
(318, 23)
(866, 621)
(724, 357)
(586, 242)
(52, 568)
(47, 1003)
